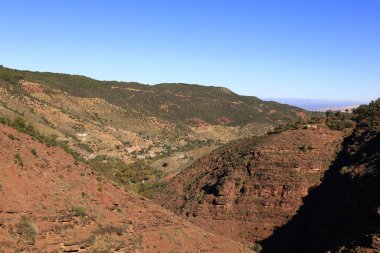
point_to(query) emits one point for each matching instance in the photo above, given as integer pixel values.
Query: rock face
(249, 188)
(342, 214)
(49, 204)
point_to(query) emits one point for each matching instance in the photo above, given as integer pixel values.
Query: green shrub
(19, 160)
(368, 115)
(34, 152)
(79, 211)
(11, 136)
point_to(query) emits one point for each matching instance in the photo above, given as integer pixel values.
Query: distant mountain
(317, 105)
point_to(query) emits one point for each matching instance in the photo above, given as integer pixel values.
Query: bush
(305, 148)
(238, 181)
(11, 136)
(34, 152)
(19, 160)
(256, 247)
(28, 229)
(79, 211)
(368, 115)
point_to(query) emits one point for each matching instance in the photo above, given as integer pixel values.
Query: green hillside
(174, 102)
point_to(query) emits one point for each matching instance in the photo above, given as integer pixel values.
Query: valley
(104, 166)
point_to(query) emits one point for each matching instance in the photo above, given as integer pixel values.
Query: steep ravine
(251, 187)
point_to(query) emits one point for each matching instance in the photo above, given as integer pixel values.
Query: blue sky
(289, 49)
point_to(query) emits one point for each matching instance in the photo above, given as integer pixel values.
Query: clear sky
(321, 49)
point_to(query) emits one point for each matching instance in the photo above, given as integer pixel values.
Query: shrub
(148, 188)
(345, 170)
(238, 181)
(34, 152)
(368, 115)
(256, 247)
(305, 148)
(19, 123)
(19, 160)
(11, 136)
(28, 229)
(79, 211)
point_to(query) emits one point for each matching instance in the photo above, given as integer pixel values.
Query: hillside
(132, 121)
(158, 129)
(170, 101)
(50, 204)
(342, 214)
(248, 188)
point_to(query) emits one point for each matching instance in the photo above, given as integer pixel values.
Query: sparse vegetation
(85, 147)
(11, 136)
(148, 188)
(339, 120)
(138, 176)
(20, 124)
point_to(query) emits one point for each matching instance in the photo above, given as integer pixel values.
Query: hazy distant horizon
(317, 104)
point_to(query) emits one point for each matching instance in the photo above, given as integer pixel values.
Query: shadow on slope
(341, 213)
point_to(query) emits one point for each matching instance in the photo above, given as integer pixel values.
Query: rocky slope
(342, 214)
(49, 204)
(249, 188)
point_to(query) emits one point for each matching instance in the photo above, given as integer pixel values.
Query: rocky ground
(49, 204)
